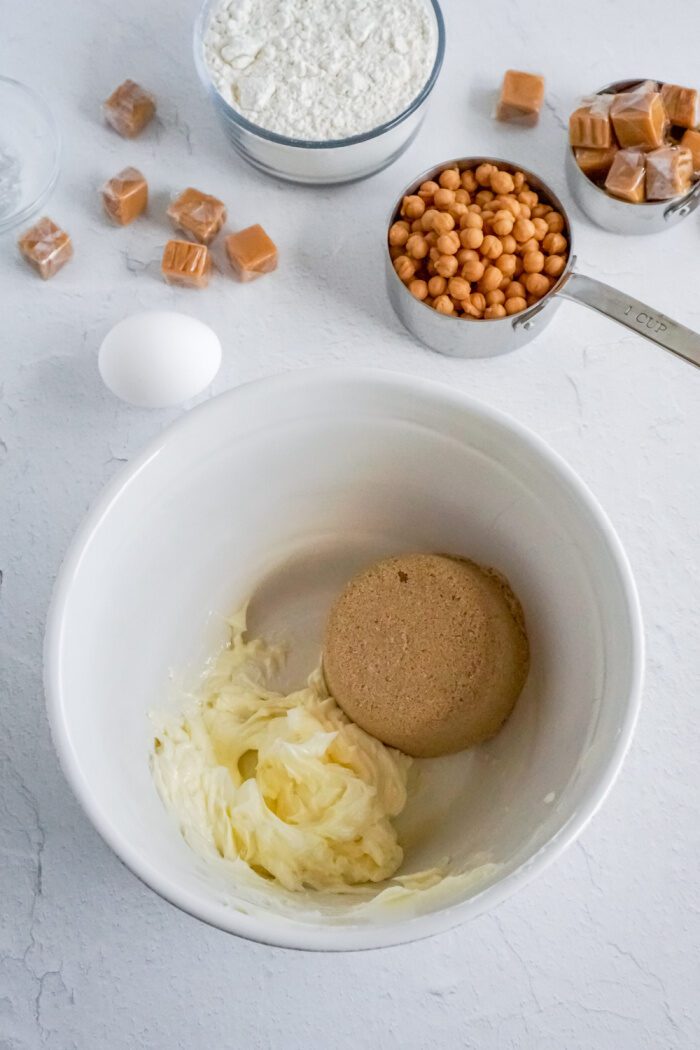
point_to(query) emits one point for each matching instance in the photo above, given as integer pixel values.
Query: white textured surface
(603, 951)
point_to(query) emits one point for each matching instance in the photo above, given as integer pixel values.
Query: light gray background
(603, 951)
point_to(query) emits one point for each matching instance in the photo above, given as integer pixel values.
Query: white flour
(320, 69)
(10, 182)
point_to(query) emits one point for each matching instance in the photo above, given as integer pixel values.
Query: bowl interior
(285, 487)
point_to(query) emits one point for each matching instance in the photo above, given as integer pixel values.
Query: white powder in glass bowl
(320, 70)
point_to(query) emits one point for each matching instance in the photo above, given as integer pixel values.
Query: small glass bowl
(30, 152)
(332, 161)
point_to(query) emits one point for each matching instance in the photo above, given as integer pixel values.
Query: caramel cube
(639, 119)
(669, 172)
(522, 95)
(681, 105)
(186, 264)
(691, 141)
(197, 214)
(46, 247)
(626, 176)
(125, 196)
(251, 253)
(595, 163)
(129, 108)
(589, 125)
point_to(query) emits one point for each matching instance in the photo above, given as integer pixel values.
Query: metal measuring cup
(622, 216)
(475, 337)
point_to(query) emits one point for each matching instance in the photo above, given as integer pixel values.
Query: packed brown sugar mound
(426, 652)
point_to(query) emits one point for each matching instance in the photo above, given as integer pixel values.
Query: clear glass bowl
(332, 161)
(30, 150)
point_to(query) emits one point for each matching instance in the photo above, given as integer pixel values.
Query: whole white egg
(159, 358)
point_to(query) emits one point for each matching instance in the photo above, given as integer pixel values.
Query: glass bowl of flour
(30, 152)
(320, 91)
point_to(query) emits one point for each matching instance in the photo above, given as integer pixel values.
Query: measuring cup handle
(636, 316)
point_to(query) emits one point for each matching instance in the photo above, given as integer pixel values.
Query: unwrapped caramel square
(46, 247)
(626, 176)
(521, 98)
(639, 118)
(125, 196)
(669, 172)
(589, 125)
(186, 264)
(595, 163)
(129, 109)
(251, 253)
(691, 141)
(681, 105)
(197, 214)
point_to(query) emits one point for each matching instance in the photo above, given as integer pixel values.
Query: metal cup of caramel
(633, 158)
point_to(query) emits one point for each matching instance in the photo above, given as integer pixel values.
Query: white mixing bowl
(297, 481)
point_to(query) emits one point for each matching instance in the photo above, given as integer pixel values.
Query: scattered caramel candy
(125, 196)
(595, 163)
(681, 105)
(626, 176)
(521, 98)
(46, 247)
(669, 172)
(252, 253)
(197, 214)
(639, 118)
(691, 141)
(500, 256)
(129, 109)
(186, 264)
(589, 125)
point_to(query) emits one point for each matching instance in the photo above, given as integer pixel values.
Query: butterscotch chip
(691, 141)
(639, 119)
(252, 253)
(186, 264)
(589, 125)
(681, 105)
(125, 196)
(427, 653)
(669, 172)
(197, 214)
(521, 98)
(626, 176)
(46, 247)
(129, 109)
(595, 163)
